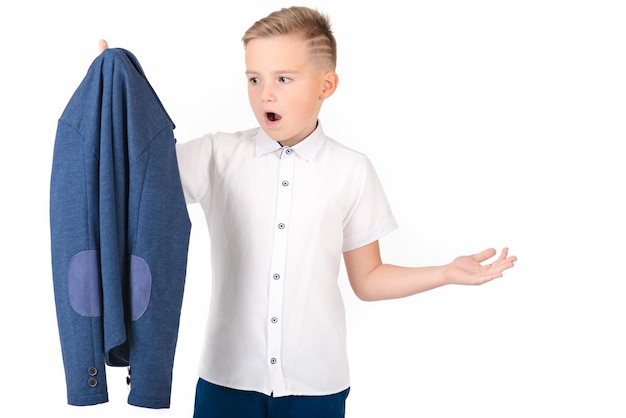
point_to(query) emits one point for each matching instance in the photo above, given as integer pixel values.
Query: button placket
(279, 256)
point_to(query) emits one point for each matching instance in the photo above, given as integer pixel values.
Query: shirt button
(285, 183)
(92, 371)
(274, 320)
(288, 151)
(92, 382)
(273, 360)
(276, 276)
(281, 226)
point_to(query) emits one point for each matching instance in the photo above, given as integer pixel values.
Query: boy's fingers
(102, 45)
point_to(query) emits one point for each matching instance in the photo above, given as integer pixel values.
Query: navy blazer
(119, 234)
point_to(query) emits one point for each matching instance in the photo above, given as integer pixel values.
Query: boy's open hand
(468, 269)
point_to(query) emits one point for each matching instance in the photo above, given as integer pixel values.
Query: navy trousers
(213, 401)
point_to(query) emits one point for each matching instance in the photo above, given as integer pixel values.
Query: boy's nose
(268, 95)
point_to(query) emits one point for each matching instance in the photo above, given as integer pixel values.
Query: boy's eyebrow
(248, 72)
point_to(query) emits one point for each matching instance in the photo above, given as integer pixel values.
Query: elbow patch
(85, 285)
(140, 287)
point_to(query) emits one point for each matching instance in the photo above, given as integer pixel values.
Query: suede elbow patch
(140, 287)
(83, 283)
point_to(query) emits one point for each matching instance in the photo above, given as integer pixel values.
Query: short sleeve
(371, 216)
(194, 164)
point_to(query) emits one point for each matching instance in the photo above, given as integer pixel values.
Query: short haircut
(314, 26)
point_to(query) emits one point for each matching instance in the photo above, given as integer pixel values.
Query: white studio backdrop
(490, 123)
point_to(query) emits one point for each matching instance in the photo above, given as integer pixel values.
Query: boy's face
(285, 89)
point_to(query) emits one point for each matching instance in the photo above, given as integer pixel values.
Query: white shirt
(279, 219)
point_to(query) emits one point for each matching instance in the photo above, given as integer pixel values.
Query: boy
(283, 202)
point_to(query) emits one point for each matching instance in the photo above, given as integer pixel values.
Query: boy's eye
(254, 80)
(283, 79)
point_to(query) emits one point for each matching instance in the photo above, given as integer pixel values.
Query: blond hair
(314, 26)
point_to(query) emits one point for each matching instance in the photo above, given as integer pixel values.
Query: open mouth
(273, 117)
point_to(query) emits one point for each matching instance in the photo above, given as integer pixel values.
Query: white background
(490, 123)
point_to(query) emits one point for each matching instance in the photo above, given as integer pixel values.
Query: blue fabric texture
(119, 234)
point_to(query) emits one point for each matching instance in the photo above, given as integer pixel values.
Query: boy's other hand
(470, 270)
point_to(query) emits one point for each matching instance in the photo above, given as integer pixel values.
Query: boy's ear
(330, 84)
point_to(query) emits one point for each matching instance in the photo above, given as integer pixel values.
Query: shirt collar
(306, 149)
